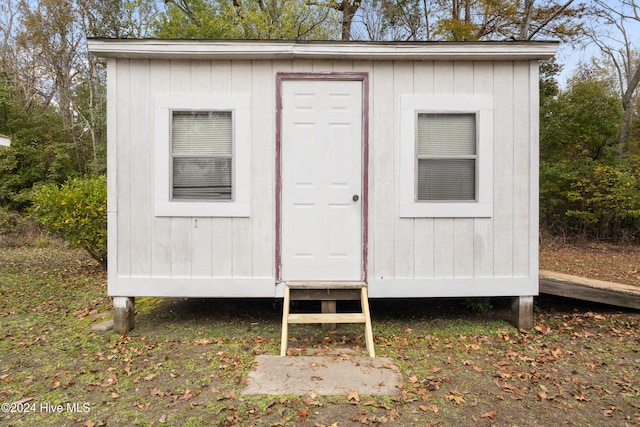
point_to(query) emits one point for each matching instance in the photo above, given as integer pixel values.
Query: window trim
(239, 205)
(482, 107)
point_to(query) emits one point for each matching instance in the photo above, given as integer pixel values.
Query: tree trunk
(627, 105)
(348, 13)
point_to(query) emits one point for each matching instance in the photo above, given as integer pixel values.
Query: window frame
(419, 157)
(412, 105)
(174, 156)
(239, 106)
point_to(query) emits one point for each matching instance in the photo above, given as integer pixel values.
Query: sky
(570, 55)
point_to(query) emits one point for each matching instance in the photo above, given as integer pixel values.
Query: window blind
(446, 179)
(202, 150)
(446, 155)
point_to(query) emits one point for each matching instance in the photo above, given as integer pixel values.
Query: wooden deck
(565, 285)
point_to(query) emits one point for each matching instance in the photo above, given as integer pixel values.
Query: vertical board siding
(534, 165)
(483, 81)
(381, 193)
(404, 248)
(123, 162)
(150, 246)
(181, 236)
(221, 228)
(160, 226)
(522, 172)
(424, 262)
(503, 191)
(140, 167)
(242, 249)
(463, 231)
(444, 231)
(263, 152)
(404, 231)
(112, 182)
(201, 244)
(455, 247)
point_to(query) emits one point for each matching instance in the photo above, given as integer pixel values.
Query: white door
(321, 167)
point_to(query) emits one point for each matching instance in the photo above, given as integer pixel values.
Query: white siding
(188, 256)
(382, 211)
(406, 256)
(458, 256)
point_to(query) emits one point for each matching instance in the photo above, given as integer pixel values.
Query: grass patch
(187, 359)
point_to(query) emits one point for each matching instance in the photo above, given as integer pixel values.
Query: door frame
(363, 77)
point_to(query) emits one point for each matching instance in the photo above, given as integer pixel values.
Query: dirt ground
(594, 260)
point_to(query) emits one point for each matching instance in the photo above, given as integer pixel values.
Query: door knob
(355, 197)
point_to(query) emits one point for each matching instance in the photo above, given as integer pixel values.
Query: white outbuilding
(236, 167)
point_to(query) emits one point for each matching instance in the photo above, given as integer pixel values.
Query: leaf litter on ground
(187, 359)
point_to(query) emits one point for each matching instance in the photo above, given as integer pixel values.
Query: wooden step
(326, 285)
(327, 318)
(325, 291)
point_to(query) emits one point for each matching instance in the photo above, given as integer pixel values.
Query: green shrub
(607, 199)
(590, 199)
(76, 212)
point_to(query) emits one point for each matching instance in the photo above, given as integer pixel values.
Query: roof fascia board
(255, 50)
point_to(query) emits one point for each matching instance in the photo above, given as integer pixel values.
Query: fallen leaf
(354, 396)
(543, 329)
(432, 408)
(543, 396)
(490, 415)
(582, 398)
(156, 392)
(302, 413)
(456, 398)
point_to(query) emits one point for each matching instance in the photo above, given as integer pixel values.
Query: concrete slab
(323, 375)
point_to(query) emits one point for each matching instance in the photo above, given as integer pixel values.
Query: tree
(585, 187)
(620, 46)
(246, 19)
(52, 93)
(348, 9)
(581, 121)
(38, 152)
(395, 20)
(50, 35)
(485, 19)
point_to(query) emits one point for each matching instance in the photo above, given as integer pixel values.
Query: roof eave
(256, 50)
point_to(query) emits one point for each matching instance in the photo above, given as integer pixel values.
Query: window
(446, 156)
(201, 151)
(202, 159)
